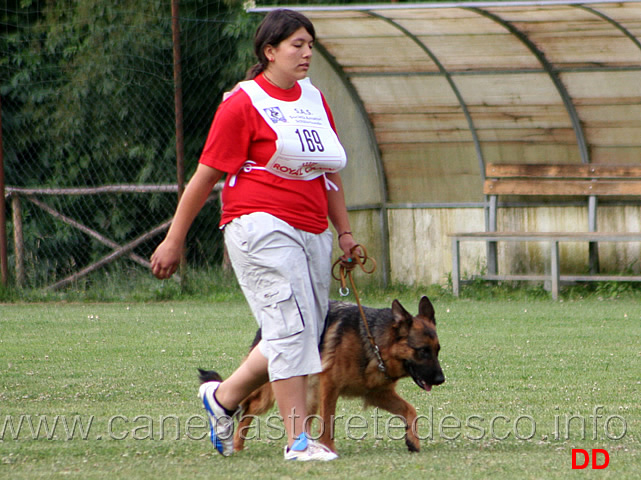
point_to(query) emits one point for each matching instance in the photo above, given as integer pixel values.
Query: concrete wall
(420, 251)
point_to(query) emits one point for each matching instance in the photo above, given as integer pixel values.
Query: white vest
(307, 146)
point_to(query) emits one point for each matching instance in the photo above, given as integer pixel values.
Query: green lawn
(527, 382)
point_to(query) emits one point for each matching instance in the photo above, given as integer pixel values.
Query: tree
(88, 99)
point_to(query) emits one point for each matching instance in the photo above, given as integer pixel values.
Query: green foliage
(88, 99)
(132, 283)
(484, 290)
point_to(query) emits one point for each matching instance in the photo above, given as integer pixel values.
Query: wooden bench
(586, 181)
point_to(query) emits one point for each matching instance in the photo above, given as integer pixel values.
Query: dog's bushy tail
(209, 376)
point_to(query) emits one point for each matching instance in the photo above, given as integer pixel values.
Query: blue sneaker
(221, 424)
(305, 449)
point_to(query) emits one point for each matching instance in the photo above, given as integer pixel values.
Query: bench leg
(492, 262)
(456, 279)
(554, 270)
(491, 222)
(593, 249)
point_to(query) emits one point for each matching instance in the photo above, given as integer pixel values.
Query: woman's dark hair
(276, 27)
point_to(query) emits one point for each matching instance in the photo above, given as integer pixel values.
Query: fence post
(18, 239)
(178, 112)
(4, 269)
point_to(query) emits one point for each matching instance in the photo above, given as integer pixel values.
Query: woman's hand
(347, 243)
(166, 259)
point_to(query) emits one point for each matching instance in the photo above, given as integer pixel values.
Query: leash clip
(343, 291)
(377, 352)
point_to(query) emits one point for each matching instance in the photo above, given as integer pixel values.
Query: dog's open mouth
(423, 384)
(420, 379)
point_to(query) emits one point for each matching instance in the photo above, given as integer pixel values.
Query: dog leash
(344, 272)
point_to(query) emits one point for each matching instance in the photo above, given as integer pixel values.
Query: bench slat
(591, 181)
(548, 236)
(497, 170)
(505, 186)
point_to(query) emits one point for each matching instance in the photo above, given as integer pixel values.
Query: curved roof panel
(447, 88)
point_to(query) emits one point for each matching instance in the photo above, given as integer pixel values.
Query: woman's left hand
(347, 244)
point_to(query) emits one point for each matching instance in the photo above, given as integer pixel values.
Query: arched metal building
(426, 95)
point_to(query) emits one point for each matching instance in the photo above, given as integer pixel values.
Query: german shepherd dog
(408, 346)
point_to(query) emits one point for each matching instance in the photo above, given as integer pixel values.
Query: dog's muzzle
(425, 378)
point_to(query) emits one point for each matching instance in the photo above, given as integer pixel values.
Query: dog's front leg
(258, 402)
(241, 432)
(389, 400)
(328, 398)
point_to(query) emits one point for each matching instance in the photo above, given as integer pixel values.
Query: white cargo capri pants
(284, 273)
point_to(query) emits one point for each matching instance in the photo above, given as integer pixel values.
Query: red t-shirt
(239, 133)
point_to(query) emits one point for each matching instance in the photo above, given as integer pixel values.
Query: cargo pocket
(280, 315)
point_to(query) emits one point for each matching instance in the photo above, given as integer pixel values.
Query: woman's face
(290, 59)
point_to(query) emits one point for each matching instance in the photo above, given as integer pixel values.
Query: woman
(275, 138)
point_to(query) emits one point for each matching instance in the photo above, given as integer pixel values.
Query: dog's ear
(426, 309)
(402, 318)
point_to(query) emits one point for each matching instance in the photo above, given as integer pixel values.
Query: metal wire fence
(93, 152)
(105, 107)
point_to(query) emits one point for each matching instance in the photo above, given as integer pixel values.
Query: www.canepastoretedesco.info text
(376, 424)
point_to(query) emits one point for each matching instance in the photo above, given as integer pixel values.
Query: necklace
(272, 82)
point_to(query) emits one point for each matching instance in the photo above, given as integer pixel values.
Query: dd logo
(586, 458)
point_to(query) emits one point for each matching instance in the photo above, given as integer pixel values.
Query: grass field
(527, 382)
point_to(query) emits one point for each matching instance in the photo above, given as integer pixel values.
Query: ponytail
(254, 71)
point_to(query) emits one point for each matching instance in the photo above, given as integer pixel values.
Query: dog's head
(418, 344)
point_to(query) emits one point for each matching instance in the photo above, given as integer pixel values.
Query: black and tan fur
(408, 345)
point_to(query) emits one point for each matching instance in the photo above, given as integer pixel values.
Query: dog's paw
(411, 446)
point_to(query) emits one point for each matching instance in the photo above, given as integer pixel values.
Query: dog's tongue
(426, 387)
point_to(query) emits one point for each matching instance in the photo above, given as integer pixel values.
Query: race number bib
(307, 146)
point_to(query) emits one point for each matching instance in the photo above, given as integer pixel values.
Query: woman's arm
(166, 258)
(337, 211)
